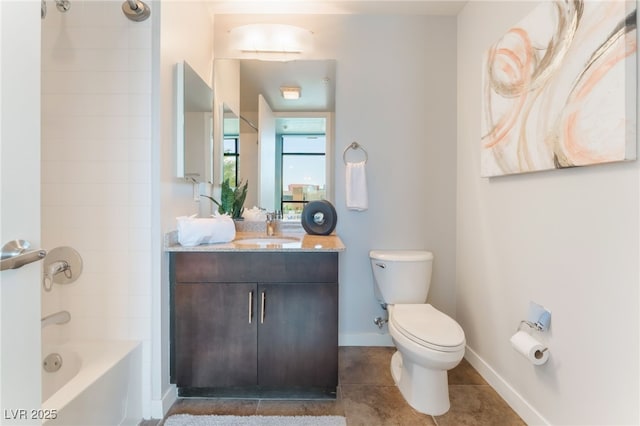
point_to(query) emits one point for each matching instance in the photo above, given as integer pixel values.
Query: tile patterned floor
(368, 397)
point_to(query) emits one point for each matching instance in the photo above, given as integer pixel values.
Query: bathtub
(98, 383)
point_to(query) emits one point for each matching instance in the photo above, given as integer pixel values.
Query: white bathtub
(99, 383)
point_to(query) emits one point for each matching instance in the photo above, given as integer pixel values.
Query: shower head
(136, 10)
(63, 5)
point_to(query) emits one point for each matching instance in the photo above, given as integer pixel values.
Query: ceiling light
(290, 92)
(270, 38)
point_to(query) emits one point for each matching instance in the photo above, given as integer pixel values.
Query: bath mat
(191, 420)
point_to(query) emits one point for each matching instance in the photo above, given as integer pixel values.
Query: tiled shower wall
(96, 162)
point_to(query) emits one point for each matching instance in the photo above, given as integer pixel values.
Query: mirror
(194, 125)
(284, 147)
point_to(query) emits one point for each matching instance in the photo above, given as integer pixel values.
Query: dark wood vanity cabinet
(254, 323)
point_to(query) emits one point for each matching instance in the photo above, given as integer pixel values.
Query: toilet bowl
(428, 341)
(419, 367)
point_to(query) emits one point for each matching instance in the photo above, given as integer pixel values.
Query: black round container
(319, 218)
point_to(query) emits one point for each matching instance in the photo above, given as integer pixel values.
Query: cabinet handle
(250, 307)
(262, 308)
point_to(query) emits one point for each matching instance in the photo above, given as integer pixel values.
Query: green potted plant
(231, 199)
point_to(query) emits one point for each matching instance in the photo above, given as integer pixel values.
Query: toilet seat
(427, 326)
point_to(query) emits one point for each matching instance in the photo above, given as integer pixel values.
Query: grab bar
(16, 253)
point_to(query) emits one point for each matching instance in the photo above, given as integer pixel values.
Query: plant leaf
(211, 198)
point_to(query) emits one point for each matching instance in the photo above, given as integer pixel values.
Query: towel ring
(354, 145)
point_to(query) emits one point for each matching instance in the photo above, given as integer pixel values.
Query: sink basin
(266, 241)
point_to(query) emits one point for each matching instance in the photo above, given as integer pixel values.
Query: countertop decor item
(319, 217)
(231, 199)
(194, 231)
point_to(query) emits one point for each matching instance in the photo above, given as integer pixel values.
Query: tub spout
(61, 317)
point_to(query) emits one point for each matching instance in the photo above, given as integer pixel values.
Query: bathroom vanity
(255, 320)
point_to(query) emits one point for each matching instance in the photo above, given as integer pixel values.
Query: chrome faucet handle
(270, 225)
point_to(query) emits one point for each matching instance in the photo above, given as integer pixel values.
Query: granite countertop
(295, 241)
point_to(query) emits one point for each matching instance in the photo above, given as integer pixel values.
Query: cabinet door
(215, 334)
(298, 334)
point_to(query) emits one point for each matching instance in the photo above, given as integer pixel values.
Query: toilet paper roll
(530, 348)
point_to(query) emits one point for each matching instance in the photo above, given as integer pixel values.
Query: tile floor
(368, 397)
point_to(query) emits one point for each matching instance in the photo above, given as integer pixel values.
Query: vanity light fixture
(290, 92)
(270, 38)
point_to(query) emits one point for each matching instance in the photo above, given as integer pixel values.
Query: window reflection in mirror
(302, 157)
(231, 146)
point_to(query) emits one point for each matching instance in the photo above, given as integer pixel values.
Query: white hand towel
(356, 186)
(193, 231)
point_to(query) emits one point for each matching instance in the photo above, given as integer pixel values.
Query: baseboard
(364, 339)
(504, 389)
(159, 408)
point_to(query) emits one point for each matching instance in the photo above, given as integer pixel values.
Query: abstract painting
(559, 89)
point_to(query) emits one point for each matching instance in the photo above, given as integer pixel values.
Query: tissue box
(250, 226)
(193, 231)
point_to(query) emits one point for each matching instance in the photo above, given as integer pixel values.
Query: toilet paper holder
(531, 325)
(539, 318)
(539, 324)
(535, 326)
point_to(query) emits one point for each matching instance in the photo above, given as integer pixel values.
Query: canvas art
(559, 89)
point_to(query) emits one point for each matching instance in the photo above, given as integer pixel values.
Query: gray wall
(396, 96)
(567, 239)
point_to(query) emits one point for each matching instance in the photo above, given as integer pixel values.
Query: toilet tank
(401, 276)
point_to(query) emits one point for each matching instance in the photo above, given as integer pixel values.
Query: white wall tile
(139, 328)
(139, 216)
(139, 172)
(96, 132)
(139, 127)
(106, 14)
(69, 127)
(51, 171)
(68, 59)
(75, 81)
(139, 105)
(117, 328)
(139, 82)
(139, 59)
(139, 268)
(87, 38)
(139, 150)
(139, 193)
(86, 104)
(51, 193)
(140, 238)
(139, 37)
(140, 306)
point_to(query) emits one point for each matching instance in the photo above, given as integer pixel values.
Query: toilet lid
(426, 325)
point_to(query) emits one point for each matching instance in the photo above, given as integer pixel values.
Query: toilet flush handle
(381, 265)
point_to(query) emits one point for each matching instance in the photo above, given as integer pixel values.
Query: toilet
(428, 341)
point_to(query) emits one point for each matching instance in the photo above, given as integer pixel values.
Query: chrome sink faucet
(273, 220)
